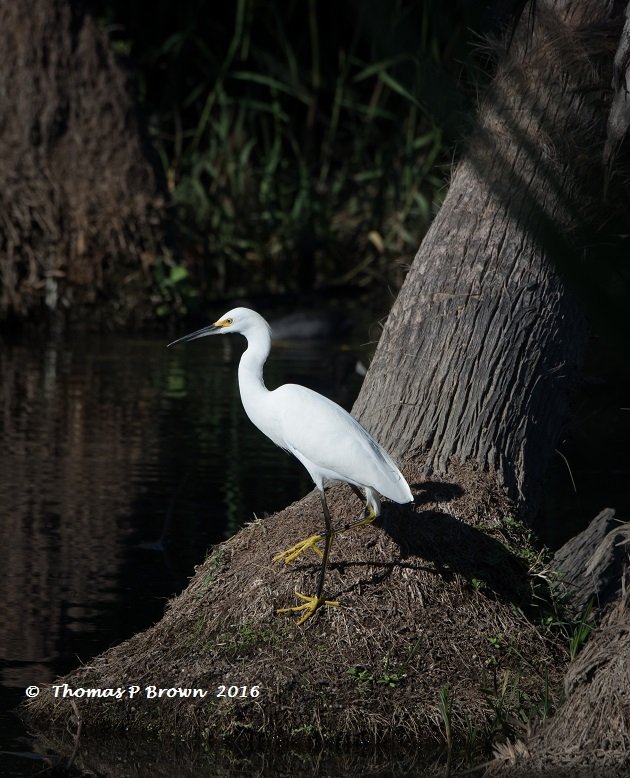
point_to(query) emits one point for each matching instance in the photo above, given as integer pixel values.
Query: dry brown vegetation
(436, 596)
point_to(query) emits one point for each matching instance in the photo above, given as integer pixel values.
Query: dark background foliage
(305, 144)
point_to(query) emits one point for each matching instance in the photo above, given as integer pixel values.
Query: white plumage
(327, 440)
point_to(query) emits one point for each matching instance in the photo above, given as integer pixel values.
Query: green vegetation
(365, 679)
(176, 293)
(445, 706)
(251, 635)
(211, 572)
(477, 584)
(514, 710)
(304, 144)
(579, 634)
(574, 631)
(305, 731)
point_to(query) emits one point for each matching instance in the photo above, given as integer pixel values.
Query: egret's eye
(229, 321)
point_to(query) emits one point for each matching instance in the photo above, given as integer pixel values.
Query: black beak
(211, 329)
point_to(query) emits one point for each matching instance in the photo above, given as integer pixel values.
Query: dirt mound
(432, 605)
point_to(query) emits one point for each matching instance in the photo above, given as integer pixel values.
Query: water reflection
(70, 438)
(126, 758)
(121, 463)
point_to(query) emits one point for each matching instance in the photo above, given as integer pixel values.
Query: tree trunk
(80, 201)
(483, 341)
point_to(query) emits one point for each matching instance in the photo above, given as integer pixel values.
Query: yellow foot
(311, 604)
(291, 554)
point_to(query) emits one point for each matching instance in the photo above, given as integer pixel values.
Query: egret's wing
(332, 440)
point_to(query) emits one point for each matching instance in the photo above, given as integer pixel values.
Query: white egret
(330, 444)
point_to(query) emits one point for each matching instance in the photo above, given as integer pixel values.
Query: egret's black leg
(367, 518)
(367, 511)
(291, 554)
(313, 603)
(358, 493)
(329, 536)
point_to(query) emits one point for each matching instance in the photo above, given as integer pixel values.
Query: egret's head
(242, 320)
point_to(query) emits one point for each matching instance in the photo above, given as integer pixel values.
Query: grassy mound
(437, 637)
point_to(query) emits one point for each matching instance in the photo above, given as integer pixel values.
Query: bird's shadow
(449, 547)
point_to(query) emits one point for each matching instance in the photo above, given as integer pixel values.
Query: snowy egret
(325, 438)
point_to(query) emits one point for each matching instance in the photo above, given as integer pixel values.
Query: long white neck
(256, 398)
(250, 368)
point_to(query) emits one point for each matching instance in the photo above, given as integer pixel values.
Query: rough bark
(593, 727)
(484, 339)
(619, 117)
(591, 565)
(80, 201)
(589, 736)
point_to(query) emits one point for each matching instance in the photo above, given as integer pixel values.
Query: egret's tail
(398, 491)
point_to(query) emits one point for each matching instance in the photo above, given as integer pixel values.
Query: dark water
(121, 463)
